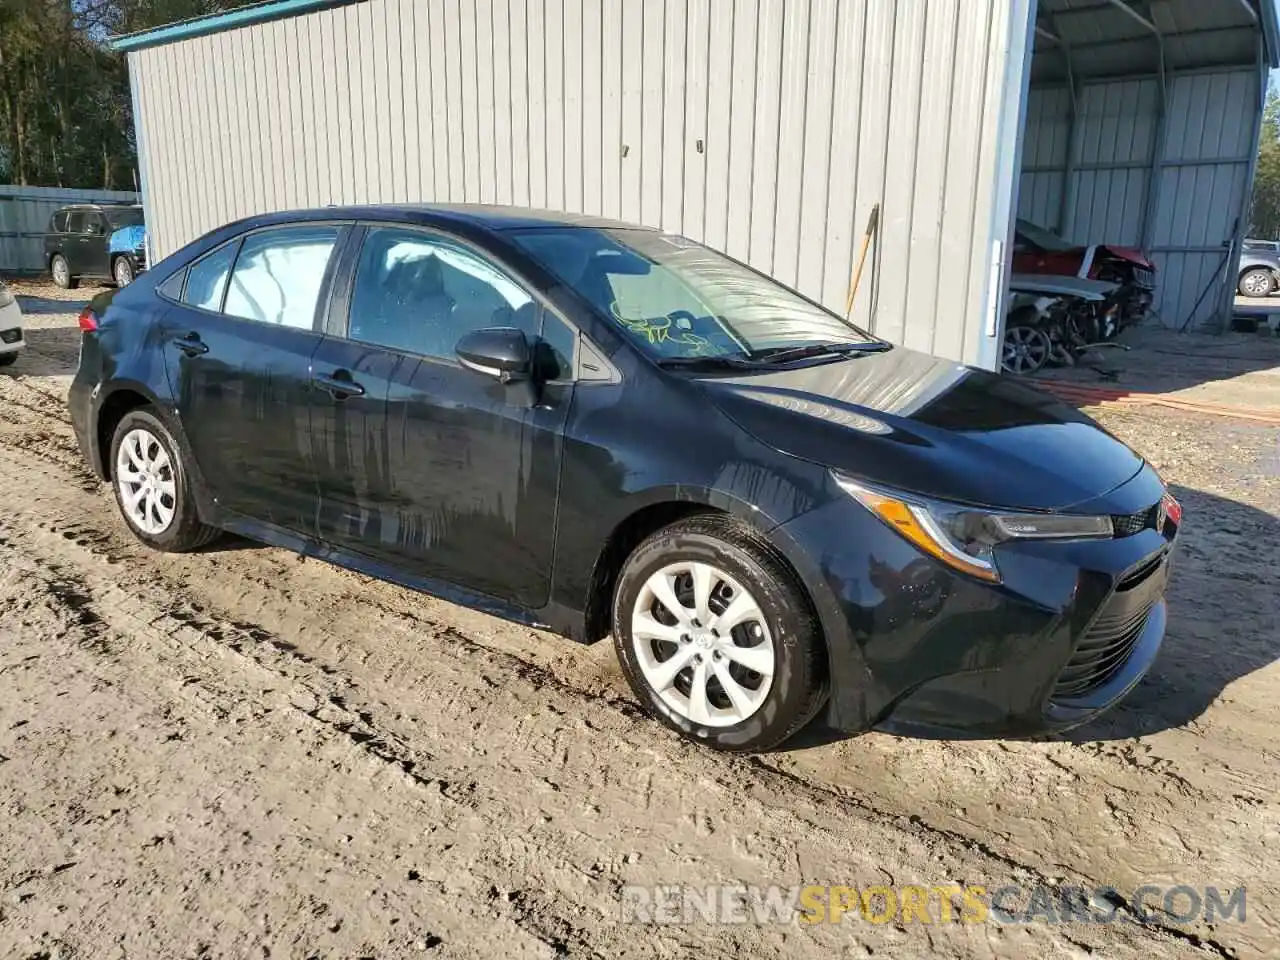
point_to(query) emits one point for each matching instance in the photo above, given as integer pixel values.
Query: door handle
(338, 383)
(191, 344)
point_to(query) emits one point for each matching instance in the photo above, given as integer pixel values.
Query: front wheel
(152, 486)
(1256, 283)
(715, 636)
(123, 272)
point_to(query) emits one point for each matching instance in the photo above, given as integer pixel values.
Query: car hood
(1131, 254)
(1061, 286)
(127, 239)
(930, 426)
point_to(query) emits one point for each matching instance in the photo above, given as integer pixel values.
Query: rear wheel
(8, 358)
(715, 636)
(61, 271)
(152, 486)
(1258, 282)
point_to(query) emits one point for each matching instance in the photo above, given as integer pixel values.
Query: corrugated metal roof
(217, 22)
(1108, 38)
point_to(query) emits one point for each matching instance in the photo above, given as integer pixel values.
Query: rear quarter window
(207, 278)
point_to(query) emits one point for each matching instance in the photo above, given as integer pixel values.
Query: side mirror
(499, 352)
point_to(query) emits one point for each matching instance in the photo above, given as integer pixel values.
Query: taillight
(88, 320)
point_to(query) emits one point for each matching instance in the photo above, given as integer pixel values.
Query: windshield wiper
(787, 354)
(707, 363)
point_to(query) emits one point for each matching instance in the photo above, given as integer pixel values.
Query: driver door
(472, 465)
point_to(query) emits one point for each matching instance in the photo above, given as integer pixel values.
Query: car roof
(103, 205)
(486, 216)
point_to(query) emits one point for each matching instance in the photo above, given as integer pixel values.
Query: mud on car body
(600, 428)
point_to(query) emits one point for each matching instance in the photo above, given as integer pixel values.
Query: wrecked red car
(1037, 250)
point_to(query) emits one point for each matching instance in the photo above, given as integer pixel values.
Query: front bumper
(917, 648)
(11, 339)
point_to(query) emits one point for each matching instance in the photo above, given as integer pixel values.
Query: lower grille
(11, 336)
(1106, 646)
(1129, 524)
(1145, 277)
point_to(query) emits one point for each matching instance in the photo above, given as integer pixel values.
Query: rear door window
(278, 275)
(59, 222)
(75, 221)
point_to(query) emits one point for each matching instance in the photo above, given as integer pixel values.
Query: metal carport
(767, 129)
(1142, 124)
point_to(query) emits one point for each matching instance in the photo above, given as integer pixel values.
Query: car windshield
(1042, 238)
(124, 217)
(679, 299)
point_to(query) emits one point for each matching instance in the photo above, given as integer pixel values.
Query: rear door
(464, 485)
(94, 249)
(240, 343)
(75, 244)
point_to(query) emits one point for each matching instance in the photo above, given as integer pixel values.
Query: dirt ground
(243, 754)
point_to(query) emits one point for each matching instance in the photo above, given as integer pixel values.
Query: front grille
(1105, 647)
(11, 336)
(1126, 525)
(1144, 276)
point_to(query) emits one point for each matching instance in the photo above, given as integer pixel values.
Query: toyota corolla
(605, 429)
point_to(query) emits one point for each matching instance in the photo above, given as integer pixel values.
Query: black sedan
(600, 428)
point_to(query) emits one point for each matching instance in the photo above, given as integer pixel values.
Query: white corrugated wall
(1201, 174)
(765, 129)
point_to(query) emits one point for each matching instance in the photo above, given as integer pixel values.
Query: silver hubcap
(145, 478)
(1025, 350)
(122, 273)
(702, 644)
(1257, 284)
(60, 270)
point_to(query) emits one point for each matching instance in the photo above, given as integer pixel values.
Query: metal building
(766, 128)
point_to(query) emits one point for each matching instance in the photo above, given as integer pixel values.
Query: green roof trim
(217, 22)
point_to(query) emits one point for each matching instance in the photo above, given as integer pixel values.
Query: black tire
(122, 271)
(1256, 279)
(62, 277)
(8, 358)
(798, 688)
(185, 532)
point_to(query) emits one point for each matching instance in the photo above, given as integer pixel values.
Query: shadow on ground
(1164, 361)
(44, 306)
(50, 352)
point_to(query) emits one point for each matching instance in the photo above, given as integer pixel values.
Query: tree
(1265, 211)
(66, 117)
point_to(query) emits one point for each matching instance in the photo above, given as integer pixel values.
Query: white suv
(11, 342)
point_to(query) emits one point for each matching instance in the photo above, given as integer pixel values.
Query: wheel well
(113, 410)
(625, 537)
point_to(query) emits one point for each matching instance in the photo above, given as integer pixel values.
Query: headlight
(964, 537)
